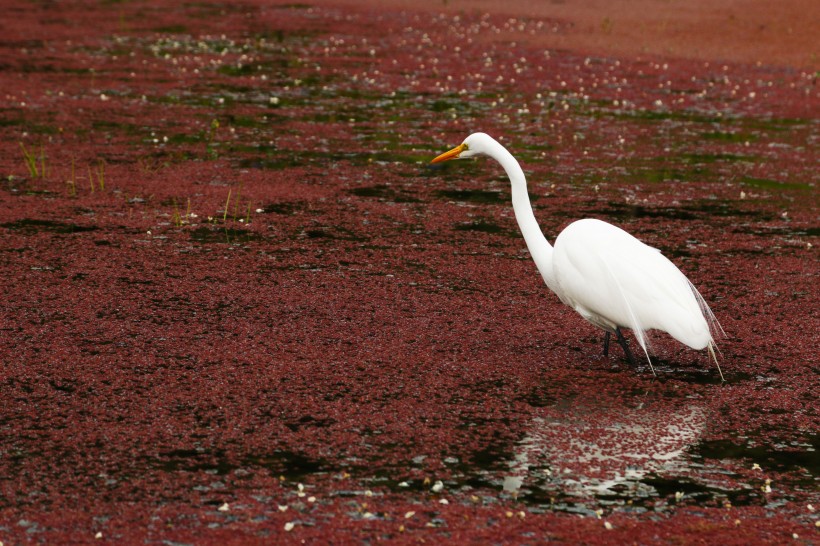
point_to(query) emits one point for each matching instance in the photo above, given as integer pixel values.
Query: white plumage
(608, 276)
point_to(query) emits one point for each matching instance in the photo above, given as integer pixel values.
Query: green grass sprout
(227, 206)
(34, 170)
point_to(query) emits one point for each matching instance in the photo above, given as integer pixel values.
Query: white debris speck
(260, 210)
(444, 501)
(368, 493)
(810, 507)
(438, 486)
(103, 97)
(274, 100)
(409, 514)
(224, 507)
(311, 499)
(755, 466)
(148, 232)
(795, 536)
(607, 526)
(289, 526)
(678, 495)
(282, 507)
(743, 196)
(97, 536)
(404, 484)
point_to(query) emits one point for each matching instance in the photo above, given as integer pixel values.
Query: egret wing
(609, 276)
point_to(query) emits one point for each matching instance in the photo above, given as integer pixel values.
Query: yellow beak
(452, 154)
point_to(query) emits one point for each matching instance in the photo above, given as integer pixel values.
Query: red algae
(240, 307)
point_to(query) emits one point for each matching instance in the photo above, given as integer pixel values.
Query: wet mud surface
(240, 307)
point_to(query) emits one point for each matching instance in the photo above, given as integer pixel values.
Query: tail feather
(711, 348)
(714, 327)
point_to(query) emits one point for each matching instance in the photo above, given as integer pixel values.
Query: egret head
(474, 145)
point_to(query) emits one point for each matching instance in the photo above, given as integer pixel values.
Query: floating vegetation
(223, 237)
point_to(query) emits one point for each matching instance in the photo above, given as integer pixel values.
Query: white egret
(608, 276)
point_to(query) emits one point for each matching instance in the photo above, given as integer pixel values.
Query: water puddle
(798, 458)
(289, 464)
(484, 226)
(285, 208)
(223, 235)
(385, 193)
(475, 196)
(332, 233)
(30, 226)
(574, 456)
(605, 456)
(699, 210)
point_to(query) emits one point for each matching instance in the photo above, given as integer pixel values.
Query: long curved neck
(537, 244)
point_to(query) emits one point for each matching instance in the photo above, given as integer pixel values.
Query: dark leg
(622, 342)
(619, 337)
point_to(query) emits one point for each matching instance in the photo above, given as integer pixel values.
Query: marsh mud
(238, 305)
